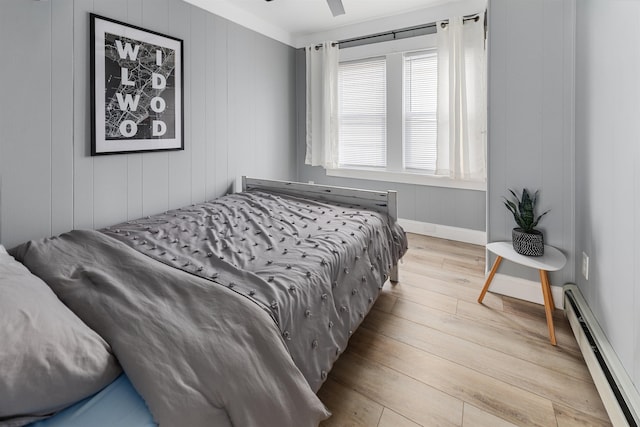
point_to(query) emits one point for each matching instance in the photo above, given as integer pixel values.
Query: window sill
(407, 178)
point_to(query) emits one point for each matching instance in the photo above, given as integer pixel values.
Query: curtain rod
(474, 17)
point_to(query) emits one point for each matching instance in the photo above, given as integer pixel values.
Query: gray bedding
(315, 268)
(255, 296)
(199, 354)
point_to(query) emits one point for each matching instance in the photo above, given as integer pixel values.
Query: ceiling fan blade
(336, 7)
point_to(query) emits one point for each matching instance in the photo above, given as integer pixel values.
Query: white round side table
(552, 260)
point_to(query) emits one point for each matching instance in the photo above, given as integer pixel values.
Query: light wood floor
(429, 355)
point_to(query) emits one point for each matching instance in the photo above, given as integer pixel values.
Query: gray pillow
(49, 358)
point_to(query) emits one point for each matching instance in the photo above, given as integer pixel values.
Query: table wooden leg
(548, 304)
(496, 264)
(548, 286)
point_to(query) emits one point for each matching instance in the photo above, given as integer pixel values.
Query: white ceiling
(303, 17)
(290, 20)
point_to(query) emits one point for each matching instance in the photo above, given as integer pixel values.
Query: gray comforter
(254, 297)
(316, 268)
(198, 353)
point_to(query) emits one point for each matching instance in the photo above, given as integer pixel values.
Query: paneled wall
(531, 141)
(608, 170)
(239, 95)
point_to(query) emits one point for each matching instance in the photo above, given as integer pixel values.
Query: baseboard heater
(619, 395)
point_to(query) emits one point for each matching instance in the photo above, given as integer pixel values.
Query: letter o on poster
(128, 128)
(158, 105)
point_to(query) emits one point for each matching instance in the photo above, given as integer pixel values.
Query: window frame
(394, 172)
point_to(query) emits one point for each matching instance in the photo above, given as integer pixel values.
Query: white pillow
(2, 250)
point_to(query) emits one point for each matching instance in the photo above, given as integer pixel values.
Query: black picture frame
(137, 96)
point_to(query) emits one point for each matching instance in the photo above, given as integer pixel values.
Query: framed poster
(136, 89)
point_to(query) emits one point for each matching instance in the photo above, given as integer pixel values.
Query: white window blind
(362, 93)
(420, 107)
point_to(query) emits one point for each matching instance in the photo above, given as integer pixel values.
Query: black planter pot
(529, 244)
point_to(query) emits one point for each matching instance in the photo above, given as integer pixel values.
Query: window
(420, 107)
(388, 114)
(387, 100)
(362, 93)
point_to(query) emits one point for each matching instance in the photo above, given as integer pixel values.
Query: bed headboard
(384, 201)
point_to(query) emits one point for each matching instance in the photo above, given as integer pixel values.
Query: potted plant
(526, 239)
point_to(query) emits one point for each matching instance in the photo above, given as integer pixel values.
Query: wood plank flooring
(429, 355)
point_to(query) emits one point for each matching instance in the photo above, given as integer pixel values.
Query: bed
(229, 312)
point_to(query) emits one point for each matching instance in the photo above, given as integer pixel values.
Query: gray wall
(239, 94)
(531, 142)
(608, 169)
(436, 205)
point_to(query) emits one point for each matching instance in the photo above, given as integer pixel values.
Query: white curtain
(462, 99)
(322, 105)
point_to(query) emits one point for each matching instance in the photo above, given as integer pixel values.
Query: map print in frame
(137, 89)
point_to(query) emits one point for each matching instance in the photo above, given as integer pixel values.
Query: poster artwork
(139, 83)
(137, 89)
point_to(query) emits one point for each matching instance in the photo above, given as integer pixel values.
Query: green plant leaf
(523, 209)
(512, 208)
(510, 205)
(526, 210)
(539, 217)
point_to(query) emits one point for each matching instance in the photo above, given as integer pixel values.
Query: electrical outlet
(585, 265)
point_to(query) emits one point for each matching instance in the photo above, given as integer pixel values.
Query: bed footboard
(385, 201)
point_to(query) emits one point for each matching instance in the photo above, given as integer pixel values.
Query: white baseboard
(524, 289)
(444, 231)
